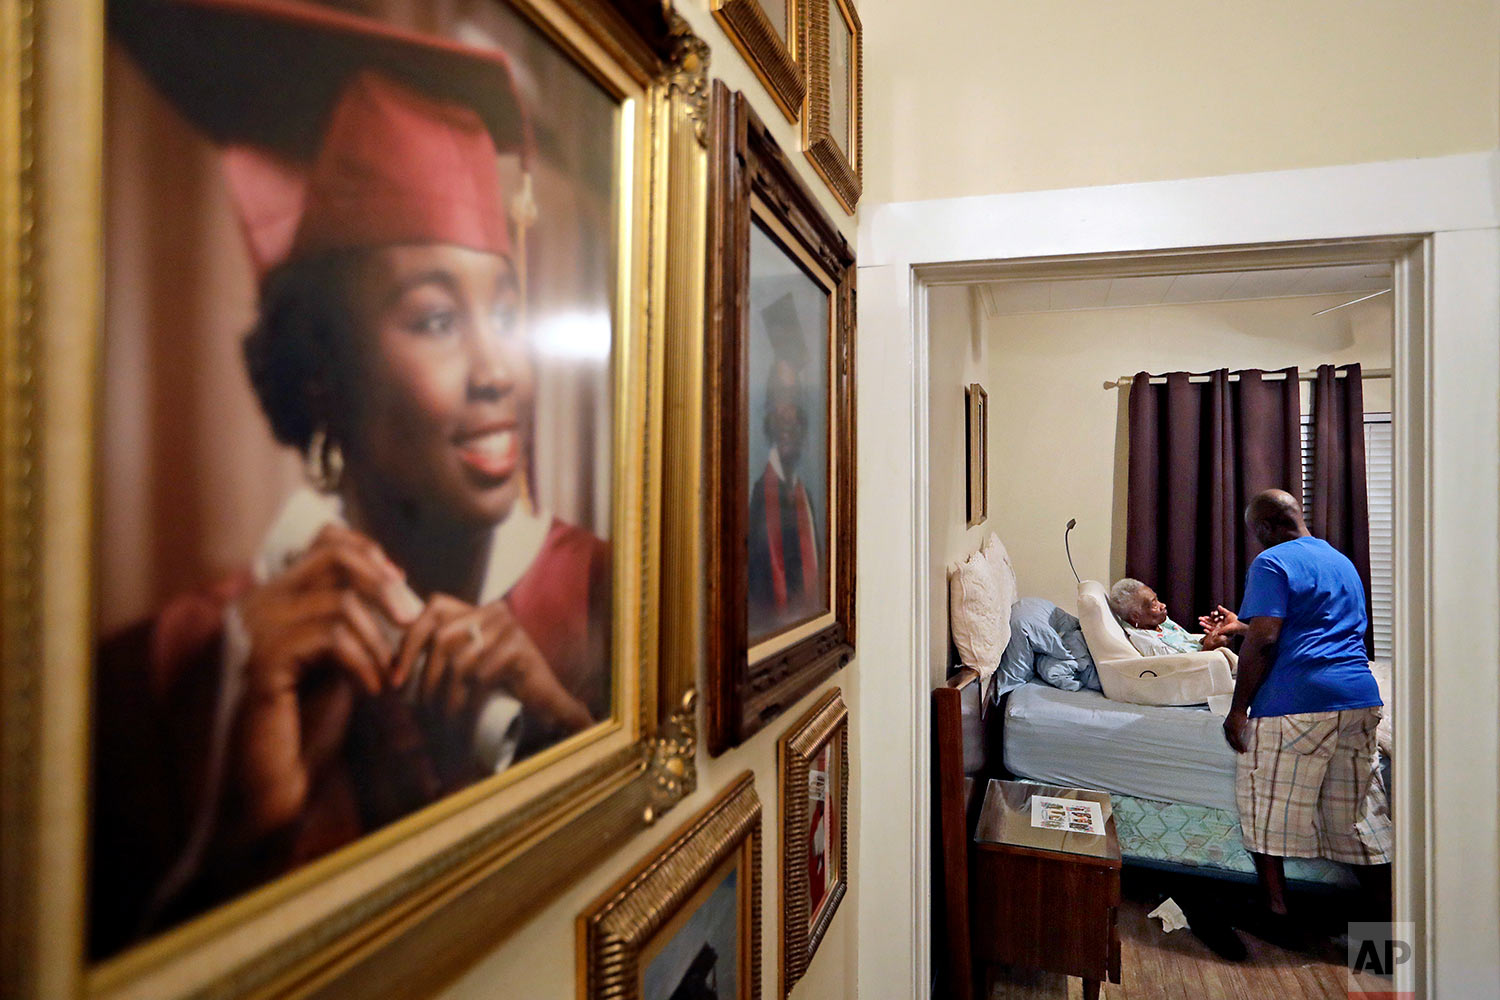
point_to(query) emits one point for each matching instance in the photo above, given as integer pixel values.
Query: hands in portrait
(318, 638)
(474, 650)
(321, 612)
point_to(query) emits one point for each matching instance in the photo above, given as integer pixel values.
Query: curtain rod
(1304, 375)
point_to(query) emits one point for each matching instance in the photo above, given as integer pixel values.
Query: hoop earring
(323, 462)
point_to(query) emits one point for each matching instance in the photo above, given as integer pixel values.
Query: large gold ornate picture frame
(779, 432)
(813, 757)
(661, 931)
(402, 910)
(833, 126)
(772, 36)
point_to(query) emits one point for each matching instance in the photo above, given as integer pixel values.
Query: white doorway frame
(1438, 220)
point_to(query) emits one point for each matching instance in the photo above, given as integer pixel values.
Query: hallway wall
(966, 98)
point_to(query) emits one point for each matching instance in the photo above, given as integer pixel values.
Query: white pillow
(1106, 639)
(980, 622)
(1005, 574)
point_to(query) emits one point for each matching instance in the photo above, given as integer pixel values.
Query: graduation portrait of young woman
(353, 541)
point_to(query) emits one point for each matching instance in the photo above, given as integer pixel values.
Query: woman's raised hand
(323, 611)
(473, 651)
(1220, 619)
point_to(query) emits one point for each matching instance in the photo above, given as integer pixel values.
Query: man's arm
(1256, 657)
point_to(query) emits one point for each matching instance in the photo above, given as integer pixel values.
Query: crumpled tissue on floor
(1170, 914)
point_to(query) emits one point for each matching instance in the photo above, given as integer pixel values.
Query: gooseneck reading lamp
(1072, 523)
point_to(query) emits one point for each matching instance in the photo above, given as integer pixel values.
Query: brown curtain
(1340, 507)
(1198, 451)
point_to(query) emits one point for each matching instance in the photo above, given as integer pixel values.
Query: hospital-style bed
(1169, 772)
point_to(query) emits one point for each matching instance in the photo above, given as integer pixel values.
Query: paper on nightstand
(1170, 914)
(1072, 815)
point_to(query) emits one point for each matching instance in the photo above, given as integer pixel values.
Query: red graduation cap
(338, 131)
(788, 341)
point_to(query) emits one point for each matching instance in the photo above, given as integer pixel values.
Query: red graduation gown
(156, 689)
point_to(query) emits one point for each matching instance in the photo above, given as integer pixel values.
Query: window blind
(1307, 465)
(1379, 447)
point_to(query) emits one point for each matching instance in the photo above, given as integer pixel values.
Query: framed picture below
(771, 35)
(813, 758)
(351, 482)
(977, 468)
(833, 127)
(780, 432)
(686, 924)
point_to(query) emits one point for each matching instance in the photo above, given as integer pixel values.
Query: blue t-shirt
(1320, 657)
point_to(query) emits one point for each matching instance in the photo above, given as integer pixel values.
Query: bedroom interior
(1054, 357)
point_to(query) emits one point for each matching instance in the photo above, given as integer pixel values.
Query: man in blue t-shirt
(1305, 706)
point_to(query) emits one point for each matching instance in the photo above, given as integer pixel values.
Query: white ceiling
(1009, 298)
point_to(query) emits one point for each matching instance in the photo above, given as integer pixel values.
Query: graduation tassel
(524, 211)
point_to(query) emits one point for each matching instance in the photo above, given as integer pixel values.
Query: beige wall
(965, 98)
(1059, 439)
(960, 355)
(538, 962)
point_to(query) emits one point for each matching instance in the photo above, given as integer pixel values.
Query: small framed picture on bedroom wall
(977, 482)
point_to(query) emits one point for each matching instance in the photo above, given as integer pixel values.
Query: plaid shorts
(1308, 787)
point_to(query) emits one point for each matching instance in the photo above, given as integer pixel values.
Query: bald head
(1275, 516)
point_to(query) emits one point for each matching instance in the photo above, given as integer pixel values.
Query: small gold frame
(427, 910)
(839, 163)
(801, 929)
(614, 932)
(776, 61)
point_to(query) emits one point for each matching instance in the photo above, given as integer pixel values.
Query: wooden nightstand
(1045, 899)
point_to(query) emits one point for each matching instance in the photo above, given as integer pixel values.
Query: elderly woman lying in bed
(1153, 633)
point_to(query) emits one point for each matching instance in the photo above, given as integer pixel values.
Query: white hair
(1125, 597)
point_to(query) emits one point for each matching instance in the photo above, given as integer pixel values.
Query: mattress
(1178, 833)
(1083, 740)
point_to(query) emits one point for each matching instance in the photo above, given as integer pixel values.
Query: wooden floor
(1177, 966)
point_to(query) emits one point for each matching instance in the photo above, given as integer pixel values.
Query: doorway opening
(1055, 344)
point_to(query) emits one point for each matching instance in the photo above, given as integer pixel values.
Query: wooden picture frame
(810, 807)
(405, 907)
(773, 51)
(757, 201)
(640, 933)
(833, 133)
(977, 468)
